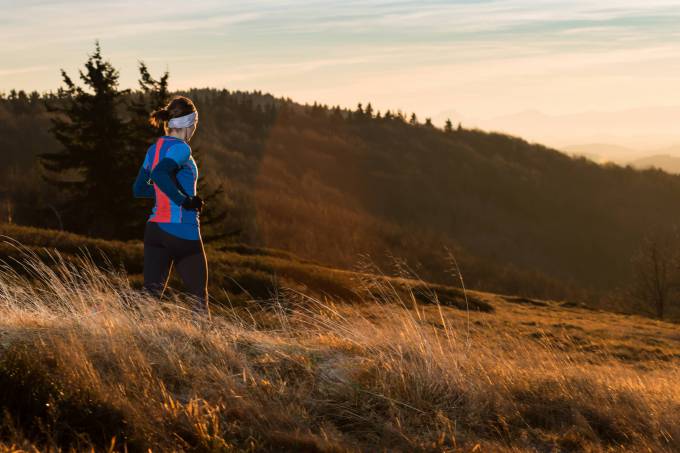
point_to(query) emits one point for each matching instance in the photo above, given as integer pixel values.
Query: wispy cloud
(104, 21)
(483, 57)
(26, 70)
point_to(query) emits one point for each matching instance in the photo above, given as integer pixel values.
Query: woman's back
(165, 209)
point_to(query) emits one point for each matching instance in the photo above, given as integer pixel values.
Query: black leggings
(161, 250)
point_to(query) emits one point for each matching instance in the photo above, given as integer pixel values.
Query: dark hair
(179, 106)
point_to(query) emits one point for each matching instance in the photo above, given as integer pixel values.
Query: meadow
(300, 357)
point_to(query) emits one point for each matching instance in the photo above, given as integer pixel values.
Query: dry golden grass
(86, 361)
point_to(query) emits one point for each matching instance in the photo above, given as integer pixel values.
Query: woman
(172, 233)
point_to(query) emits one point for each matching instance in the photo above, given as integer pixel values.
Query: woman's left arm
(141, 188)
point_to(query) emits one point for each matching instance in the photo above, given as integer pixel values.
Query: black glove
(193, 203)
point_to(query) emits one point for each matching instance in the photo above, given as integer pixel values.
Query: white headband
(182, 121)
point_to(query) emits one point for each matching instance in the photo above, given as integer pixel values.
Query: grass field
(321, 360)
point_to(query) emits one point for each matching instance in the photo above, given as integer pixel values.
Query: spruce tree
(337, 114)
(153, 94)
(89, 168)
(448, 127)
(369, 110)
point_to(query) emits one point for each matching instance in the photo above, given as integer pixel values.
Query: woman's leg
(190, 262)
(193, 269)
(157, 260)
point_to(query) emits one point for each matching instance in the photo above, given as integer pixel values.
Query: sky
(539, 69)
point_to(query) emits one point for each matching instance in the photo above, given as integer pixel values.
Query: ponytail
(159, 117)
(178, 106)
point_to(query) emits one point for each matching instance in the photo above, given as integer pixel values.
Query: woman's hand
(193, 203)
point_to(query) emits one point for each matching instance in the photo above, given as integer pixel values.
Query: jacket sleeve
(162, 175)
(142, 187)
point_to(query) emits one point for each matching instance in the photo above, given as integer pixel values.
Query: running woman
(172, 233)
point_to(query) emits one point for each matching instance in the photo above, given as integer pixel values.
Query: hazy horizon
(544, 71)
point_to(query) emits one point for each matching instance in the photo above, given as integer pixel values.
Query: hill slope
(88, 362)
(329, 187)
(238, 275)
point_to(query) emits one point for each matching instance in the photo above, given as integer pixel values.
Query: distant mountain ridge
(665, 162)
(667, 159)
(643, 128)
(603, 152)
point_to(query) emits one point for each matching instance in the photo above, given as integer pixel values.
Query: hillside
(88, 362)
(331, 186)
(238, 274)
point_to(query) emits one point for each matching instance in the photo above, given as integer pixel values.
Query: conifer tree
(153, 95)
(89, 168)
(414, 119)
(448, 127)
(369, 110)
(359, 113)
(337, 113)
